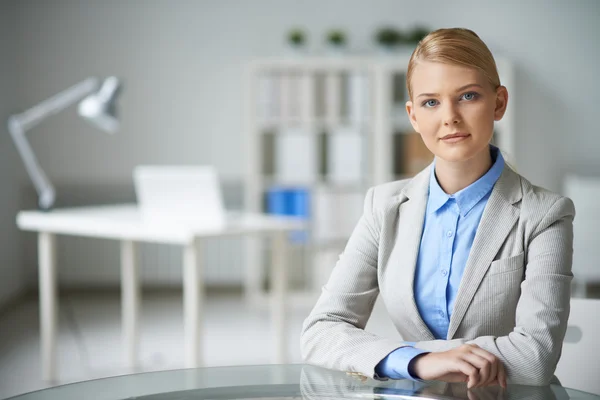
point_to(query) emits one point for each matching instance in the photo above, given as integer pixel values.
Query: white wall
(11, 271)
(182, 64)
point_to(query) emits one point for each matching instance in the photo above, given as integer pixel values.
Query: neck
(455, 176)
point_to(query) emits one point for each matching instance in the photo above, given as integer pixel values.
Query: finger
(501, 375)
(472, 395)
(453, 377)
(482, 364)
(484, 353)
(494, 362)
(493, 373)
(470, 371)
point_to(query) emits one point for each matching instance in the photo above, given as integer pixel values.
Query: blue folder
(290, 201)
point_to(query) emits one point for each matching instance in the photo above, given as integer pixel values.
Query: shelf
(397, 61)
(401, 123)
(315, 125)
(314, 118)
(268, 182)
(342, 186)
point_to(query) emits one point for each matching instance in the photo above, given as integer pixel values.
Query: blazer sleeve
(333, 334)
(531, 351)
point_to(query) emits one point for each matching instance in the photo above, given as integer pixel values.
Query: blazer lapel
(498, 219)
(403, 256)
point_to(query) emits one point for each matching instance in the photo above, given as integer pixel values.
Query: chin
(455, 153)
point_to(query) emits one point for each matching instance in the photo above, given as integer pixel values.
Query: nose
(451, 115)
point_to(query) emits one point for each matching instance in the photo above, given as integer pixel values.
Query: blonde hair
(458, 46)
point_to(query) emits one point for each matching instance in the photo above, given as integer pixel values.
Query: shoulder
(383, 199)
(541, 202)
(540, 207)
(389, 194)
(382, 195)
(393, 193)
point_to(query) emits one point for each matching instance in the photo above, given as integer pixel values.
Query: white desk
(124, 223)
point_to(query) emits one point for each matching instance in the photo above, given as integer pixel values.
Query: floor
(90, 336)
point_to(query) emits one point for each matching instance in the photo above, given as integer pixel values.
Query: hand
(467, 363)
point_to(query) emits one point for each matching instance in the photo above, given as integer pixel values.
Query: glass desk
(278, 382)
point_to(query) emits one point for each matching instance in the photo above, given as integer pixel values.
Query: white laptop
(179, 195)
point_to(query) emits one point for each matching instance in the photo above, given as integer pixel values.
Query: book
(296, 160)
(345, 156)
(268, 96)
(358, 98)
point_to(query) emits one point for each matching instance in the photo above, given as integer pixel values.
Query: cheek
(480, 117)
(429, 126)
(482, 111)
(428, 122)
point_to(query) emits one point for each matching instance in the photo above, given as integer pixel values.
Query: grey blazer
(513, 300)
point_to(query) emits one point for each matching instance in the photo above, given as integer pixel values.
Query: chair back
(579, 364)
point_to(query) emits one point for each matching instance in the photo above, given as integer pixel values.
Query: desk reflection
(321, 384)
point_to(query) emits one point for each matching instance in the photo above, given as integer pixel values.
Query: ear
(501, 103)
(410, 110)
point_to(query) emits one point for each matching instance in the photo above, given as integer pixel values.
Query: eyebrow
(458, 90)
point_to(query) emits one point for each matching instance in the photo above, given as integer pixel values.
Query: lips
(455, 137)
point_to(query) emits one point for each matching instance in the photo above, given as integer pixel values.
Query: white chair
(579, 365)
(585, 191)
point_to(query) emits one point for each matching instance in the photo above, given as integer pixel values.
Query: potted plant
(336, 39)
(296, 39)
(388, 38)
(416, 34)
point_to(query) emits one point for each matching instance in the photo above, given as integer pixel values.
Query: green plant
(336, 37)
(416, 34)
(388, 37)
(296, 37)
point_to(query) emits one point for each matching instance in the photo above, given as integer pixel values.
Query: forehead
(440, 77)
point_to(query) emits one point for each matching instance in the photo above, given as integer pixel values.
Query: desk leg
(278, 296)
(48, 304)
(254, 269)
(130, 302)
(193, 302)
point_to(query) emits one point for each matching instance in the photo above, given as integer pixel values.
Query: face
(454, 109)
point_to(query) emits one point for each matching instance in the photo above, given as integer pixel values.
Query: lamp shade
(100, 108)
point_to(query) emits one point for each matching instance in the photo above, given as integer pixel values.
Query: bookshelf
(328, 128)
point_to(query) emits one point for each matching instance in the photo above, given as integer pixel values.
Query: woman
(472, 261)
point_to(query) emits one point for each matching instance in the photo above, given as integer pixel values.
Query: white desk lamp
(98, 107)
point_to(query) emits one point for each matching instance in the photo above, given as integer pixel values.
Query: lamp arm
(18, 124)
(43, 187)
(56, 103)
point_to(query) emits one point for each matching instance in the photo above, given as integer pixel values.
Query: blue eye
(429, 103)
(470, 96)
